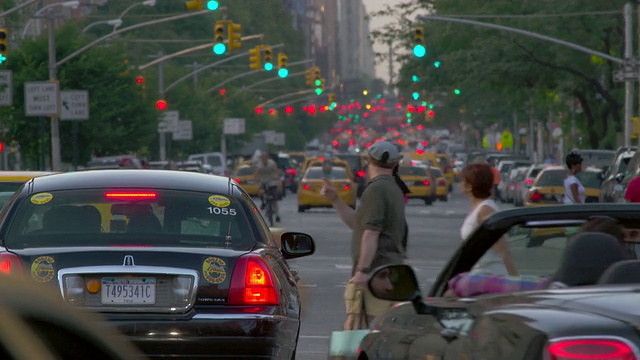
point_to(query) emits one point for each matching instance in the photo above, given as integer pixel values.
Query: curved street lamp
(67, 4)
(145, 3)
(114, 23)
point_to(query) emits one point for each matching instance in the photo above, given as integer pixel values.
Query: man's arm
(368, 248)
(347, 214)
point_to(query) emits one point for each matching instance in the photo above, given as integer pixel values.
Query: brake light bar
(131, 195)
(591, 348)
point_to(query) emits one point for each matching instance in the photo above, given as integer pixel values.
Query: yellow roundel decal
(42, 269)
(214, 270)
(219, 200)
(41, 198)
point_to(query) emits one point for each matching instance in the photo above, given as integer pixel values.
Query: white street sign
(6, 88)
(185, 131)
(234, 126)
(74, 105)
(169, 122)
(41, 98)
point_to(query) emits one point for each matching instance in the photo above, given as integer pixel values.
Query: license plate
(128, 291)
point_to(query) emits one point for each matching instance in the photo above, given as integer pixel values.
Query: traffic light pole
(56, 161)
(217, 86)
(302, 73)
(301, 92)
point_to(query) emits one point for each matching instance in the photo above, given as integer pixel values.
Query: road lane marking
(314, 336)
(343, 267)
(310, 285)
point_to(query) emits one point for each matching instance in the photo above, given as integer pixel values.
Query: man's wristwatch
(363, 269)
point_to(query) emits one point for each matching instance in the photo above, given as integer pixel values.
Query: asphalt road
(434, 235)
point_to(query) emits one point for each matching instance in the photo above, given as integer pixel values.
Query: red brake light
(347, 188)
(441, 183)
(252, 283)
(290, 171)
(426, 183)
(131, 195)
(10, 264)
(321, 158)
(602, 349)
(419, 151)
(360, 173)
(529, 181)
(236, 180)
(306, 186)
(535, 196)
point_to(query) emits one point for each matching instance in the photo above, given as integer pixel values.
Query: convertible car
(575, 295)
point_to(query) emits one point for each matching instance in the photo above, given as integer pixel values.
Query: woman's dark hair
(573, 159)
(400, 182)
(605, 225)
(480, 177)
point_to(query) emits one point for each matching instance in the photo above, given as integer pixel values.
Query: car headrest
(586, 258)
(622, 272)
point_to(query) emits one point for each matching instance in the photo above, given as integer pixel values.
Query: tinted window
(99, 217)
(298, 158)
(552, 178)
(534, 172)
(407, 171)
(318, 174)
(443, 161)
(284, 162)
(624, 163)
(244, 171)
(436, 172)
(214, 160)
(589, 179)
(10, 186)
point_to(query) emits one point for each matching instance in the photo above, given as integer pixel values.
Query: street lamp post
(114, 23)
(145, 3)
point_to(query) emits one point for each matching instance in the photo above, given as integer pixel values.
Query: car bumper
(441, 191)
(419, 192)
(217, 336)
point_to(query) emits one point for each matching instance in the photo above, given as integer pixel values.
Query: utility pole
(629, 81)
(390, 64)
(162, 138)
(55, 122)
(195, 66)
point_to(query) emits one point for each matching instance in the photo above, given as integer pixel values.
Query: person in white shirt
(573, 189)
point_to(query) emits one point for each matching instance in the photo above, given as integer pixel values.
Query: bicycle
(269, 195)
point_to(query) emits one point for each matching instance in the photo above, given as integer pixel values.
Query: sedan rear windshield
(144, 218)
(409, 171)
(436, 173)
(552, 178)
(589, 179)
(243, 171)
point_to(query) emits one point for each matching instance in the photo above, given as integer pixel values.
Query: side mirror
(295, 245)
(619, 177)
(398, 283)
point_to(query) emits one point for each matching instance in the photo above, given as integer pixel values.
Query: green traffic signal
(283, 73)
(415, 78)
(419, 50)
(2, 59)
(318, 91)
(430, 106)
(456, 91)
(416, 95)
(437, 64)
(268, 66)
(219, 49)
(318, 82)
(213, 5)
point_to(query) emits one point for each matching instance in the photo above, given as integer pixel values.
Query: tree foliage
(501, 73)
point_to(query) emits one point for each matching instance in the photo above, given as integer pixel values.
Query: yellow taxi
(309, 188)
(444, 163)
(442, 187)
(419, 182)
(320, 160)
(548, 186)
(421, 155)
(10, 181)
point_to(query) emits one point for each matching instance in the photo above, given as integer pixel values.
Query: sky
(382, 69)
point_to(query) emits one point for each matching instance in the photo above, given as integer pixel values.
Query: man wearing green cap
(378, 227)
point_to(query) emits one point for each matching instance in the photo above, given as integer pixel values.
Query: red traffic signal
(272, 111)
(139, 80)
(431, 113)
(259, 110)
(161, 105)
(222, 92)
(288, 109)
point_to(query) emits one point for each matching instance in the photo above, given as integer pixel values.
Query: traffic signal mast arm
(285, 96)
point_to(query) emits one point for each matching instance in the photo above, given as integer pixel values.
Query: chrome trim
(554, 222)
(636, 351)
(240, 316)
(128, 261)
(115, 269)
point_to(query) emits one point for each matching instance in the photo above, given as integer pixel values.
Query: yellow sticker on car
(214, 270)
(41, 198)
(219, 200)
(42, 269)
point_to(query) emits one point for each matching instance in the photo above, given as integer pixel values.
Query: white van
(215, 160)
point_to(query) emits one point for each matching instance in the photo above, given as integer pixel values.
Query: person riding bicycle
(268, 174)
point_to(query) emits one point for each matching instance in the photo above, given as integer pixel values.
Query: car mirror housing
(295, 245)
(397, 283)
(619, 177)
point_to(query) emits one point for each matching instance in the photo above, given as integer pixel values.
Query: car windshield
(436, 172)
(411, 171)
(298, 158)
(244, 171)
(589, 179)
(552, 178)
(214, 160)
(133, 217)
(597, 159)
(534, 172)
(10, 186)
(284, 162)
(624, 164)
(316, 173)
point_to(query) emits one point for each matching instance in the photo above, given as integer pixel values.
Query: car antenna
(228, 239)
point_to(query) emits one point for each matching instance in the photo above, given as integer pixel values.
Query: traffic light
(319, 86)
(332, 100)
(268, 58)
(254, 58)
(194, 5)
(437, 64)
(161, 105)
(222, 92)
(457, 91)
(259, 110)
(139, 80)
(272, 112)
(288, 109)
(415, 95)
(213, 5)
(235, 36)
(219, 31)
(317, 78)
(415, 78)
(283, 60)
(311, 75)
(4, 45)
(419, 49)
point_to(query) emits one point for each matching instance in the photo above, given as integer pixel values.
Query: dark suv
(288, 170)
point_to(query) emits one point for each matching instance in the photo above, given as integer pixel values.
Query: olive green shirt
(381, 209)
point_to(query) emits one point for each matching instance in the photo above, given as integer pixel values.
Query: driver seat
(586, 258)
(622, 272)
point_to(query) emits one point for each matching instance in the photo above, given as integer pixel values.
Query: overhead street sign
(41, 98)
(184, 132)
(234, 126)
(169, 122)
(6, 88)
(74, 105)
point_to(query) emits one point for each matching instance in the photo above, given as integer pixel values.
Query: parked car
(515, 184)
(615, 174)
(215, 160)
(178, 262)
(588, 315)
(596, 158)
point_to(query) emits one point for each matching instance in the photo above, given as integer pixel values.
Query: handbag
(344, 343)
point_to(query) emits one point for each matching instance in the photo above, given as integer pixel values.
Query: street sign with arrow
(74, 105)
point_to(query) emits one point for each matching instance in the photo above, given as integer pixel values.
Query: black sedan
(181, 263)
(577, 294)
